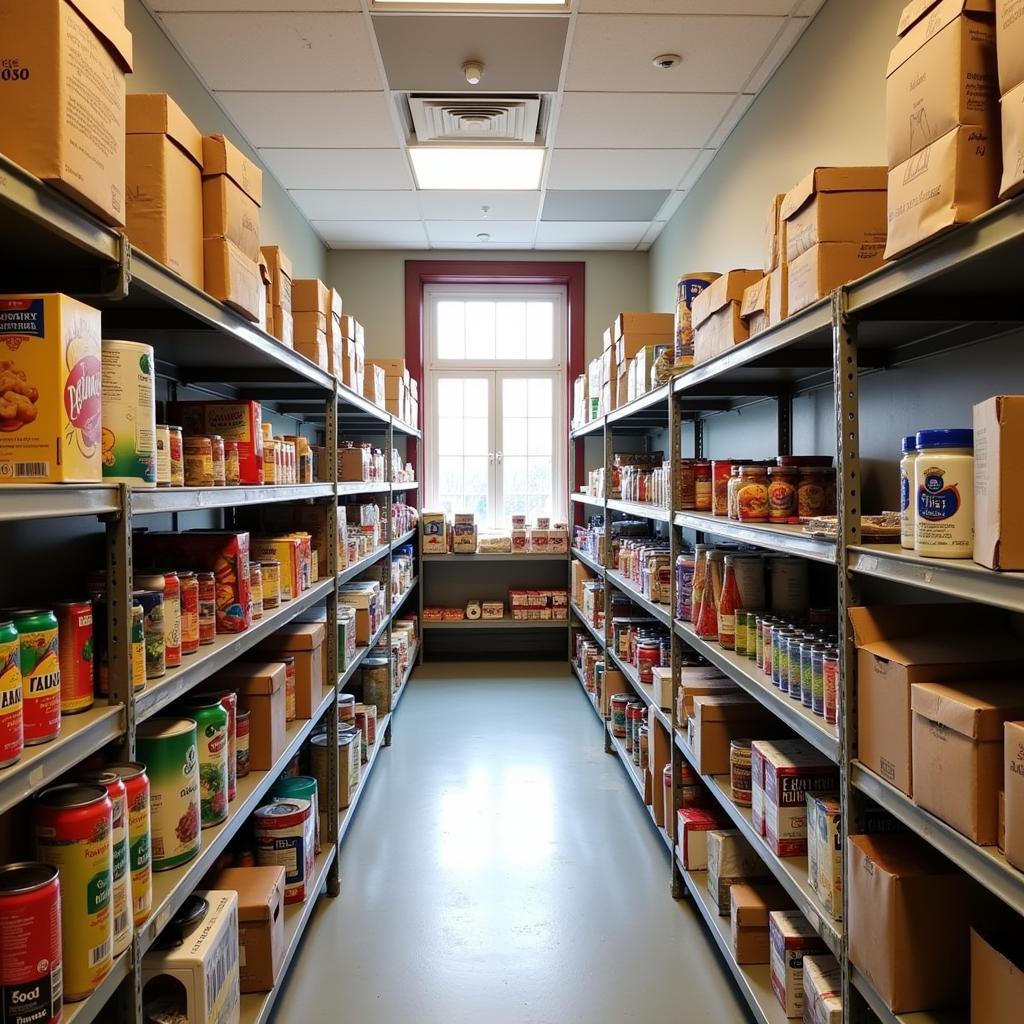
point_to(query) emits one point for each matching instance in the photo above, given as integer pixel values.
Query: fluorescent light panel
(477, 167)
(440, 5)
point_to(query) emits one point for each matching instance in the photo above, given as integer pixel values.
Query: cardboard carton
(303, 641)
(232, 195)
(1009, 44)
(221, 156)
(815, 273)
(717, 323)
(280, 267)
(827, 841)
(163, 176)
(749, 908)
(644, 323)
(1011, 113)
(778, 295)
(719, 719)
(823, 990)
(908, 922)
(695, 824)
(1013, 800)
(997, 978)
(731, 861)
(312, 296)
(373, 384)
(791, 938)
(231, 277)
(998, 489)
(756, 306)
(266, 318)
(958, 752)
(335, 339)
(898, 646)
(313, 347)
(64, 98)
(788, 775)
(308, 327)
(774, 247)
(261, 692)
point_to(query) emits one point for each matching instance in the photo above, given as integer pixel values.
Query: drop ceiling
(319, 88)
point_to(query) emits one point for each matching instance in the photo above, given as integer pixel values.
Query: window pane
(511, 332)
(476, 403)
(463, 480)
(514, 436)
(514, 479)
(449, 436)
(451, 330)
(479, 330)
(475, 474)
(539, 434)
(474, 432)
(539, 390)
(513, 397)
(450, 474)
(449, 396)
(539, 330)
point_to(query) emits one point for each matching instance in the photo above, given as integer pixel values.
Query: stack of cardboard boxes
(279, 295)
(387, 383)
(311, 309)
(353, 351)
(1010, 50)
(717, 322)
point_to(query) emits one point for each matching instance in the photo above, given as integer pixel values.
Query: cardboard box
(52, 375)
(835, 204)
(731, 861)
(312, 296)
(749, 908)
(309, 328)
(998, 491)
(1009, 44)
(229, 213)
(948, 184)
(789, 774)
(314, 347)
(941, 74)
(716, 314)
(362, 595)
(221, 156)
(434, 533)
(354, 463)
(288, 551)
(997, 978)
(909, 916)
(304, 641)
(695, 824)
(1013, 800)
(958, 752)
(791, 938)
(825, 851)
(261, 692)
(231, 277)
(240, 421)
(698, 681)
(823, 990)
(1011, 113)
(898, 646)
(202, 970)
(720, 719)
(644, 323)
(756, 306)
(164, 185)
(374, 384)
(266, 318)
(815, 273)
(261, 940)
(778, 295)
(774, 245)
(280, 267)
(64, 98)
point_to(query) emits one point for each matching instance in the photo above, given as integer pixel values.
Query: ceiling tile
(466, 231)
(792, 32)
(481, 246)
(425, 52)
(767, 7)
(611, 168)
(639, 120)
(253, 5)
(354, 234)
(731, 119)
(651, 234)
(335, 204)
(602, 204)
(440, 205)
(611, 52)
(808, 8)
(298, 51)
(339, 169)
(312, 120)
(700, 165)
(613, 234)
(674, 201)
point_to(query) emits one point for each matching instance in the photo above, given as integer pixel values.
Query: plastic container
(944, 488)
(907, 506)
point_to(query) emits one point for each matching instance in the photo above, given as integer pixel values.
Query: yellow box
(50, 390)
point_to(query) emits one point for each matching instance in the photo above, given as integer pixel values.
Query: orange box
(51, 382)
(231, 277)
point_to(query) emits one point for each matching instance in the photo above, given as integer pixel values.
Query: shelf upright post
(784, 421)
(333, 671)
(675, 426)
(606, 563)
(389, 474)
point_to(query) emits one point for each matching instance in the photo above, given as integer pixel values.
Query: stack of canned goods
(648, 565)
(641, 642)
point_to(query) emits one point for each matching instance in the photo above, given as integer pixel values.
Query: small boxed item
(196, 978)
(163, 176)
(716, 316)
(749, 907)
(311, 296)
(464, 538)
(280, 267)
(51, 380)
(434, 530)
(997, 978)
(304, 641)
(695, 824)
(756, 306)
(720, 719)
(791, 938)
(1013, 800)
(288, 551)
(232, 196)
(232, 278)
(241, 422)
(492, 610)
(825, 851)
(261, 692)
(363, 595)
(998, 487)
(1011, 112)
(823, 990)
(789, 774)
(909, 921)
(354, 463)
(731, 861)
(260, 922)
(374, 384)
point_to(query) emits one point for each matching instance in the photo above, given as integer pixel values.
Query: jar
(684, 588)
(721, 471)
(830, 685)
(727, 605)
(944, 489)
(741, 632)
(648, 655)
(163, 455)
(176, 448)
(752, 494)
(701, 485)
(706, 622)
(207, 607)
(219, 470)
(782, 499)
(271, 584)
(241, 742)
(812, 491)
(256, 589)
(346, 709)
(686, 490)
(907, 505)
(619, 703)
(740, 774)
(232, 464)
(732, 493)
(198, 454)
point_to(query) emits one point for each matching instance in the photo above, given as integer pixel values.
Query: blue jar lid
(909, 443)
(961, 438)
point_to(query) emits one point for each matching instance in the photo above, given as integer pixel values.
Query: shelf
(404, 538)
(645, 407)
(788, 540)
(56, 501)
(403, 597)
(256, 1007)
(347, 814)
(351, 571)
(197, 499)
(412, 485)
(586, 692)
(588, 560)
(593, 630)
(745, 674)
(985, 864)
(505, 623)
(634, 773)
(521, 556)
(657, 611)
(85, 1011)
(352, 405)
(353, 665)
(588, 429)
(586, 499)
(886, 1016)
(222, 652)
(170, 888)
(39, 766)
(959, 578)
(645, 691)
(347, 488)
(641, 510)
(754, 980)
(401, 427)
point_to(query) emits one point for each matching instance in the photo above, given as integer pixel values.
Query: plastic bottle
(907, 504)
(944, 489)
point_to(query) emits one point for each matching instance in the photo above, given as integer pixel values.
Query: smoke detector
(666, 61)
(474, 71)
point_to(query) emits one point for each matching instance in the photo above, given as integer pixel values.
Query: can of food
(75, 652)
(163, 455)
(138, 646)
(818, 678)
(121, 893)
(241, 743)
(371, 724)
(289, 686)
(301, 787)
(30, 944)
(152, 602)
(229, 701)
(177, 449)
(211, 720)
(347, 708)
(207, 607)
(38, 650)
(688, 287)
(232, 464)
(830, 684)
(12, 726)
(640, 747)
(271, 584)
(168, 585)
(129, 414)
(619, 703)
(648, 657)
(377, 683)
(349, 763)
(217, 452)
(72, 831)
(168, 748)
(256, 589)
(198, 452)
(189, 612)
(740, 775)
(136, 783)
(807, 671)
(285, 837)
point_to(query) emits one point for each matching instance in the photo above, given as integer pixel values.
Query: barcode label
(121, 923)
(139, 904)
(57, 988)
(24, 470)
(99, 953)
(223, 964)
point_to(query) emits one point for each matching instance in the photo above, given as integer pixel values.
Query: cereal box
(50, 390)
(234, 421)
(435, 536)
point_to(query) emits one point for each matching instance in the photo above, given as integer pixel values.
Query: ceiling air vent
(484, 119)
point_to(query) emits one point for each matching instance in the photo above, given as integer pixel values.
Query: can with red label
(30, 952)
(136, 784)
(207, 607)
(76, 652)
(12, 729)
(189, 612)
(40, 672)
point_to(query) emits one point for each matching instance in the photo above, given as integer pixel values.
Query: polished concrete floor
(500, 870)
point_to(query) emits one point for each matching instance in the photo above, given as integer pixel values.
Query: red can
(30, 951)
(207, 607)
(189, 612)
(648, 654)
(76, 651)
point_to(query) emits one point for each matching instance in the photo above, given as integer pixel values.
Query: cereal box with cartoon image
(50, 390)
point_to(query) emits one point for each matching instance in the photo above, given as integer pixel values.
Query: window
(495, 388)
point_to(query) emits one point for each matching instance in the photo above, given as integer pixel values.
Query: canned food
(177, 450)
(256, 589)
(129, 414)
(30, 943)
(138, 646)
(76, 656)
(377, 683)
(347, 708)
(211, 720)
(169, 586)
(189, 610)
(229, 701)
(702, 486)
(207, 582)
(619, 703)
(217, 453)
(152, 602)
(830, 684)
(285, 837)
(198, 453)
(163, 455)
(301, 787)
(136, 784)
(232, 464)
(168, 748)
(271, 584)
(72, 830)
(40, 672)
(740, 775)
(12, 727)
(241, 743)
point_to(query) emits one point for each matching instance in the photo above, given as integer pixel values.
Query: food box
(280, 267)
(998, 486)
(261, 691)
(241, 422)
(230, 277)
(958, 752)
(288, 551)
(435, 535)
(695, 823)
(492, 610)
(791, 938)
(825, 851)
(731, 861)
(749, 907)
(164, 185)
(1013, 812)
(720, 719)
(788, 776)
(364, 596)
(354, 463)
(997, 977)
(823, 990)
(304, 641)
(51, 385)
(374, 386)
(201, 971)
(756, 305)
(909, 921)
(464, 538)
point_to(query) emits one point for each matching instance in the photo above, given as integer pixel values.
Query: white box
(791, 938)
(823, 990)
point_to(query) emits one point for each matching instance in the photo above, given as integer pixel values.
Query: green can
(740, 646)
(301, 787)
(212, 744)
(39, 653)
(168, 748)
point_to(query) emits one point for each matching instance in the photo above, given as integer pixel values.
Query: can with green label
(211, 719)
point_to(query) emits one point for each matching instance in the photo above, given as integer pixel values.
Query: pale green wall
(160, 68)
(372, 286)
(825, 105)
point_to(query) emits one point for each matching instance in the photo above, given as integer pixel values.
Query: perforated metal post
(389, 567)
(784, 422)
(675, 426)
(606, 562)
(333, 660)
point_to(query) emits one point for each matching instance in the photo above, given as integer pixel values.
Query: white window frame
(497, 370)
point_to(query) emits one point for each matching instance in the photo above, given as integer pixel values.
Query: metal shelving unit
(522, 556)
(348, 814)
(505, 623)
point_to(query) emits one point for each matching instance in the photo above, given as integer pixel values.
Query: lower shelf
(349, 813)
(886, 1016)
(586, 692)
(505, 623)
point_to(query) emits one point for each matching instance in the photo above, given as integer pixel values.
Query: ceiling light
(441, 5)
(477, 167)
(474, 71)
(483, 236)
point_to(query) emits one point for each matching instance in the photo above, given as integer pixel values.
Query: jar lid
(782, 470)
(804, 460)
(909, 443)
(957, 438)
